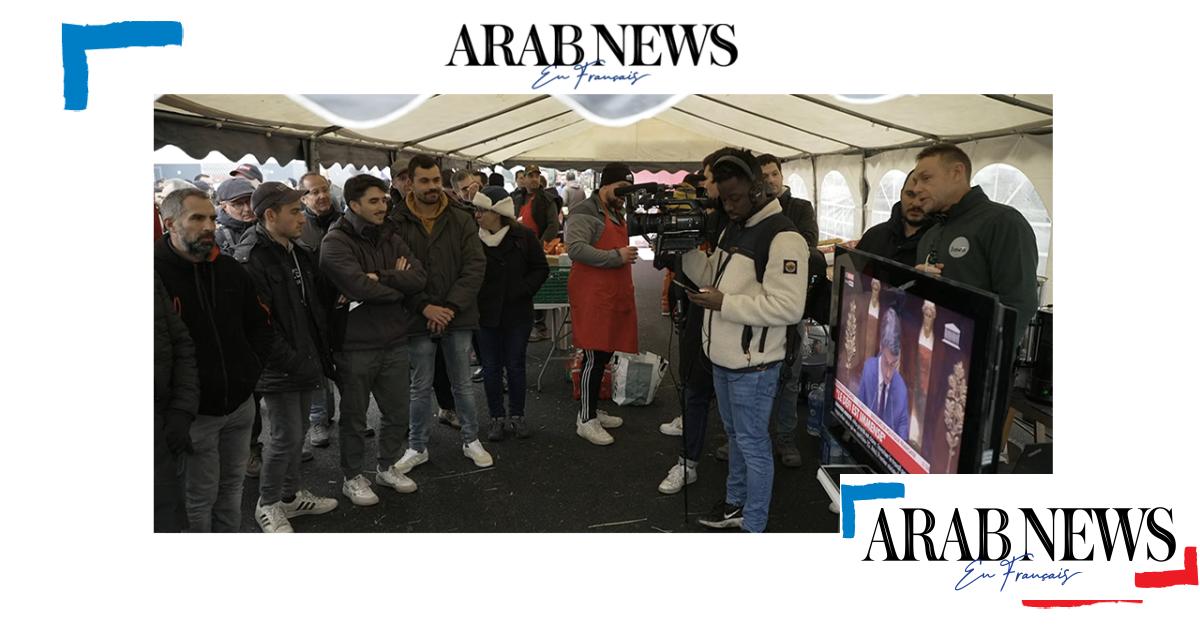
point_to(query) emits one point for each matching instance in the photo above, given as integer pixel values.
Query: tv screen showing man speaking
(900, 383)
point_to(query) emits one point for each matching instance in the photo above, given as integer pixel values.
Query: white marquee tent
(847, 153)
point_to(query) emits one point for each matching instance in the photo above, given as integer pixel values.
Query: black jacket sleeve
(537, 269)
(256, 317)
(805, 219)
(185, 380)
(407, 282)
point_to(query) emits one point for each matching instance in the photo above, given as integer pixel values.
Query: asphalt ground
(556, 481)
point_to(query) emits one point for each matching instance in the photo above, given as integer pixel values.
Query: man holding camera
(753, 287)
(600, 291)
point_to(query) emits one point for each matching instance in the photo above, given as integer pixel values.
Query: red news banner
(899, 450)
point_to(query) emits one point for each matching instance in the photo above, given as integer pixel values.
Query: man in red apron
(600, 291)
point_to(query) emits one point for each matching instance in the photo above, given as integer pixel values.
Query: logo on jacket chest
(959, 247)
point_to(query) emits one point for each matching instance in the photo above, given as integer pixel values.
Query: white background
(76, 266)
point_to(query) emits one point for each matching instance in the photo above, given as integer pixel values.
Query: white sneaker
(359, 491)
(411, 459)
(308, 503)
(395, 479)
(272, 519)
(593, 431)
(608, 421)
(475, 451)
(674, 427)
(674, 481)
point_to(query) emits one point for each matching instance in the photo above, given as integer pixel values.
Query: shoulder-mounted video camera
(678, 217)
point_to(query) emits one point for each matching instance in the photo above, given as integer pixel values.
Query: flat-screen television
(921, 367)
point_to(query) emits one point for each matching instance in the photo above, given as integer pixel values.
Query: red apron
(603, 314)
(527, 219)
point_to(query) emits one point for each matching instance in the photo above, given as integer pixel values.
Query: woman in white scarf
(516, 269)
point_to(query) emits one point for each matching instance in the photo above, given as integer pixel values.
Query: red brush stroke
(1072, 603)
(1162, 579)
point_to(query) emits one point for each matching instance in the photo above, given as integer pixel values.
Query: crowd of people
(270, 303)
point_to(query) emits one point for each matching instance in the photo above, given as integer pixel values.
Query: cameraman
(754, 287)
(697, 371)
(600, 291)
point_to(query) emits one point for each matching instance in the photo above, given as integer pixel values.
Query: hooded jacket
(233, 338)
(987, 245)
(888, 240)
(298, 311)
(352, 249)
(750, 330)
(452, 256)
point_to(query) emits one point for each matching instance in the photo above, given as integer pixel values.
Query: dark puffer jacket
(352, 249)
(452, 256)
(516, 269)
(298, 311)
(176, 385)
(217, 300)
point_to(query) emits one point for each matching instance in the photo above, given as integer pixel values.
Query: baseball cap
(248, 170)
(273, 195)
(235, 188)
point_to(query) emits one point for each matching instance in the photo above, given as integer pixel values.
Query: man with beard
(600, 292)
(235, 215)
(217, 301)
(897, 238)
(285, 273)
(974, 240)
(445, 313)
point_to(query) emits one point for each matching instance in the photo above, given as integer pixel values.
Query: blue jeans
(322, 409)
(503, 350)
(745, 400)
(422, 350)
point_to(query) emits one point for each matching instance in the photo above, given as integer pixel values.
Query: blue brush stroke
(78, 39)
(850, 494)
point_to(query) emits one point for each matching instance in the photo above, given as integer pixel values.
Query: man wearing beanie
(600, 291)
(445, 239)
(284, 271)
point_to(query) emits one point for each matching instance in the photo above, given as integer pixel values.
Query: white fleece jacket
(765, 309)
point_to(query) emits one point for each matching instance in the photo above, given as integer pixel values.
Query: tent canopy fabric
(667, 132)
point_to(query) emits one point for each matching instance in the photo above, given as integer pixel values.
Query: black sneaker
(723, 516)
(496, 430)
(519, 427)
(369, 432)
(477, 375)
(722, 453)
